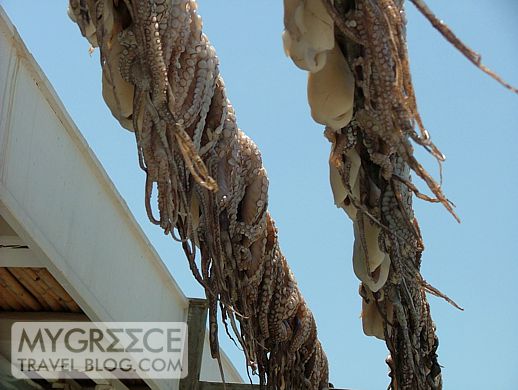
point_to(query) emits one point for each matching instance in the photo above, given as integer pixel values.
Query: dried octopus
(359, 87)
(161, 81)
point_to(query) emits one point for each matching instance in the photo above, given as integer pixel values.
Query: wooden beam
(196, 322)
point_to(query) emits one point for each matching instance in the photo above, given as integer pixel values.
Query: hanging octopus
(360, 88)
(161, 81)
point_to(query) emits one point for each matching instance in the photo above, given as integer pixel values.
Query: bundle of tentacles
(161, 81)
(359, 87)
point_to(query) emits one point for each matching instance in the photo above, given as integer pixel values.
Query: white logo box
(99, 350)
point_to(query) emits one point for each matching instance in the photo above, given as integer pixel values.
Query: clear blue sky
(472, 119)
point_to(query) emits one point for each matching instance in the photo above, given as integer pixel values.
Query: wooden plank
(57, 289)
(18, 293)
(47, 301)
(196, 322)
